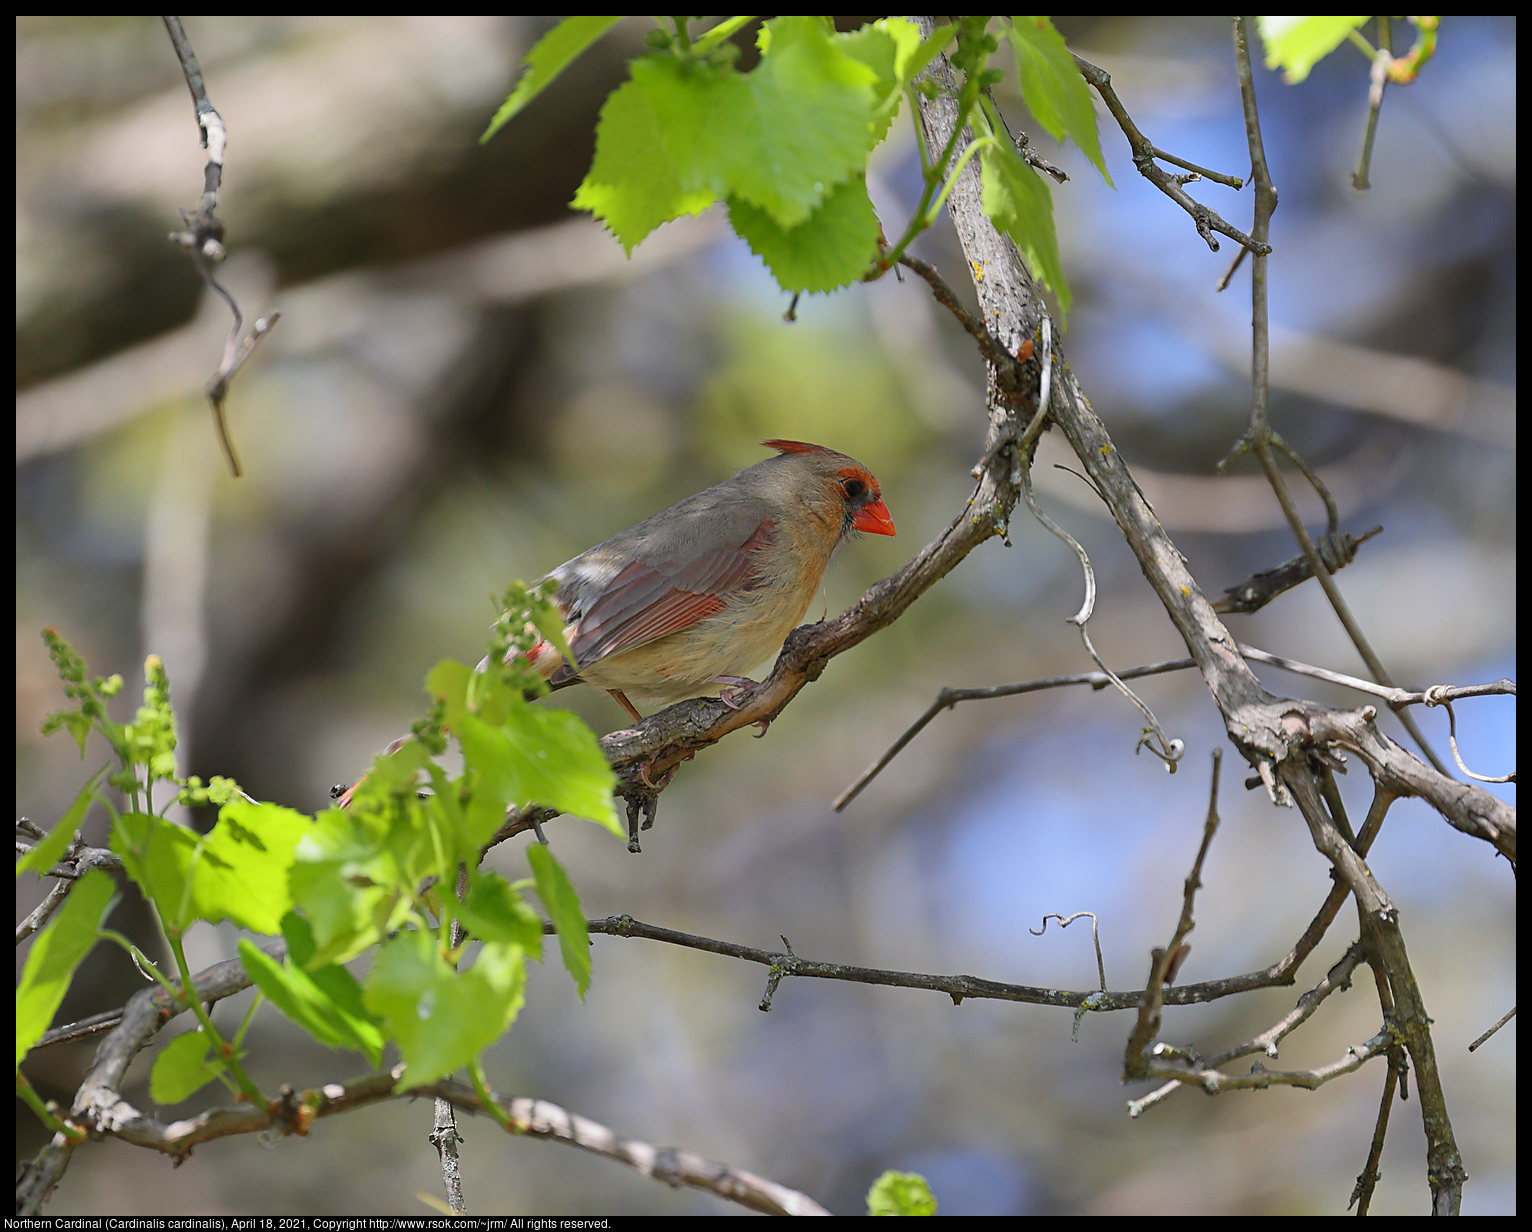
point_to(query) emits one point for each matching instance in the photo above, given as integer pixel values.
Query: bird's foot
(732, 695)
(648, 764)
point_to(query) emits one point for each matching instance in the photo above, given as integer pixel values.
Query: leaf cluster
(785, 146)
(394, 877)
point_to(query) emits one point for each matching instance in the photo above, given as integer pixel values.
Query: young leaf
(900, 1193)
(1297, 44)
(891, 47)
(158, 856)
(238, 872)
(56, 951)
(549, 57)
(184, 1067)
(1053, 88)
(326, 1002)
(440, 1018)
(494, 911)
(46, 854)
(786, 134)
(242, 876)
(563, 905)
(831, 248)
(540, 756)
(353, 875)
(646, 169)
(1017, 201)
(927, 51)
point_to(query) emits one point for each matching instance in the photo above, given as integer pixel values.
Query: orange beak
(874, 519)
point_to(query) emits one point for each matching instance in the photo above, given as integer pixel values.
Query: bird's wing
(661, 593)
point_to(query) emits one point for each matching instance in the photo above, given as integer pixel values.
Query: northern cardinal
(691, 598)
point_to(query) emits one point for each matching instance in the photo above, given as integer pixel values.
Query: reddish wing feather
(645, 601)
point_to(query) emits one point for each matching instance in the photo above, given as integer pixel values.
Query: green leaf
(563, 904)
(448, 680)
(184, 1067)
(786, 134)
(549, 57)
(900, 1193)
(442, 1019)
(1053, 88)
(47, 853)
(243, 873)
(1018, 202)
(238, 872)
(928, 51)
(158, 855)
(680, 134)
(646, 171)
(56, 951)
(325, 1001)
(494, 911)
(892, 49)
(833, 247)
(354, 873)
(1297, 44)
(540, 756)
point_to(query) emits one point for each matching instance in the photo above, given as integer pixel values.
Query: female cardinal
(693, 597)
(696, 595)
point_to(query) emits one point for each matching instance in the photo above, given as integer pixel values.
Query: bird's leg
(643, 770)
(626, 705)
(735, 688)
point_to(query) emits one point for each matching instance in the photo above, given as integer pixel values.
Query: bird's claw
(732, 695)
(734, 689)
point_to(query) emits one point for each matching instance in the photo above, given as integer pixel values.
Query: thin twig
(203, 238)
(950, 697)
(989, 345)
(1144, 154)
(1147, 1025)
(1505, 1018)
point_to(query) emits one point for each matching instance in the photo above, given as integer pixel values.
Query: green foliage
(56, 952)
(830, 249)
(1297, 44)
(48, 852)
(785, 146)
(563, 907)
(324, 999)
(1052, 86)
(185, 1065)
(236, 872)
(442, 1018)
(549, 57)
(900, 1193)
(1019, 203)
(373, 876)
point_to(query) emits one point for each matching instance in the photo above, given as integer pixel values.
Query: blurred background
(470, 383)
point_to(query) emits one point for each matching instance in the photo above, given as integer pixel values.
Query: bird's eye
(853, 488)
